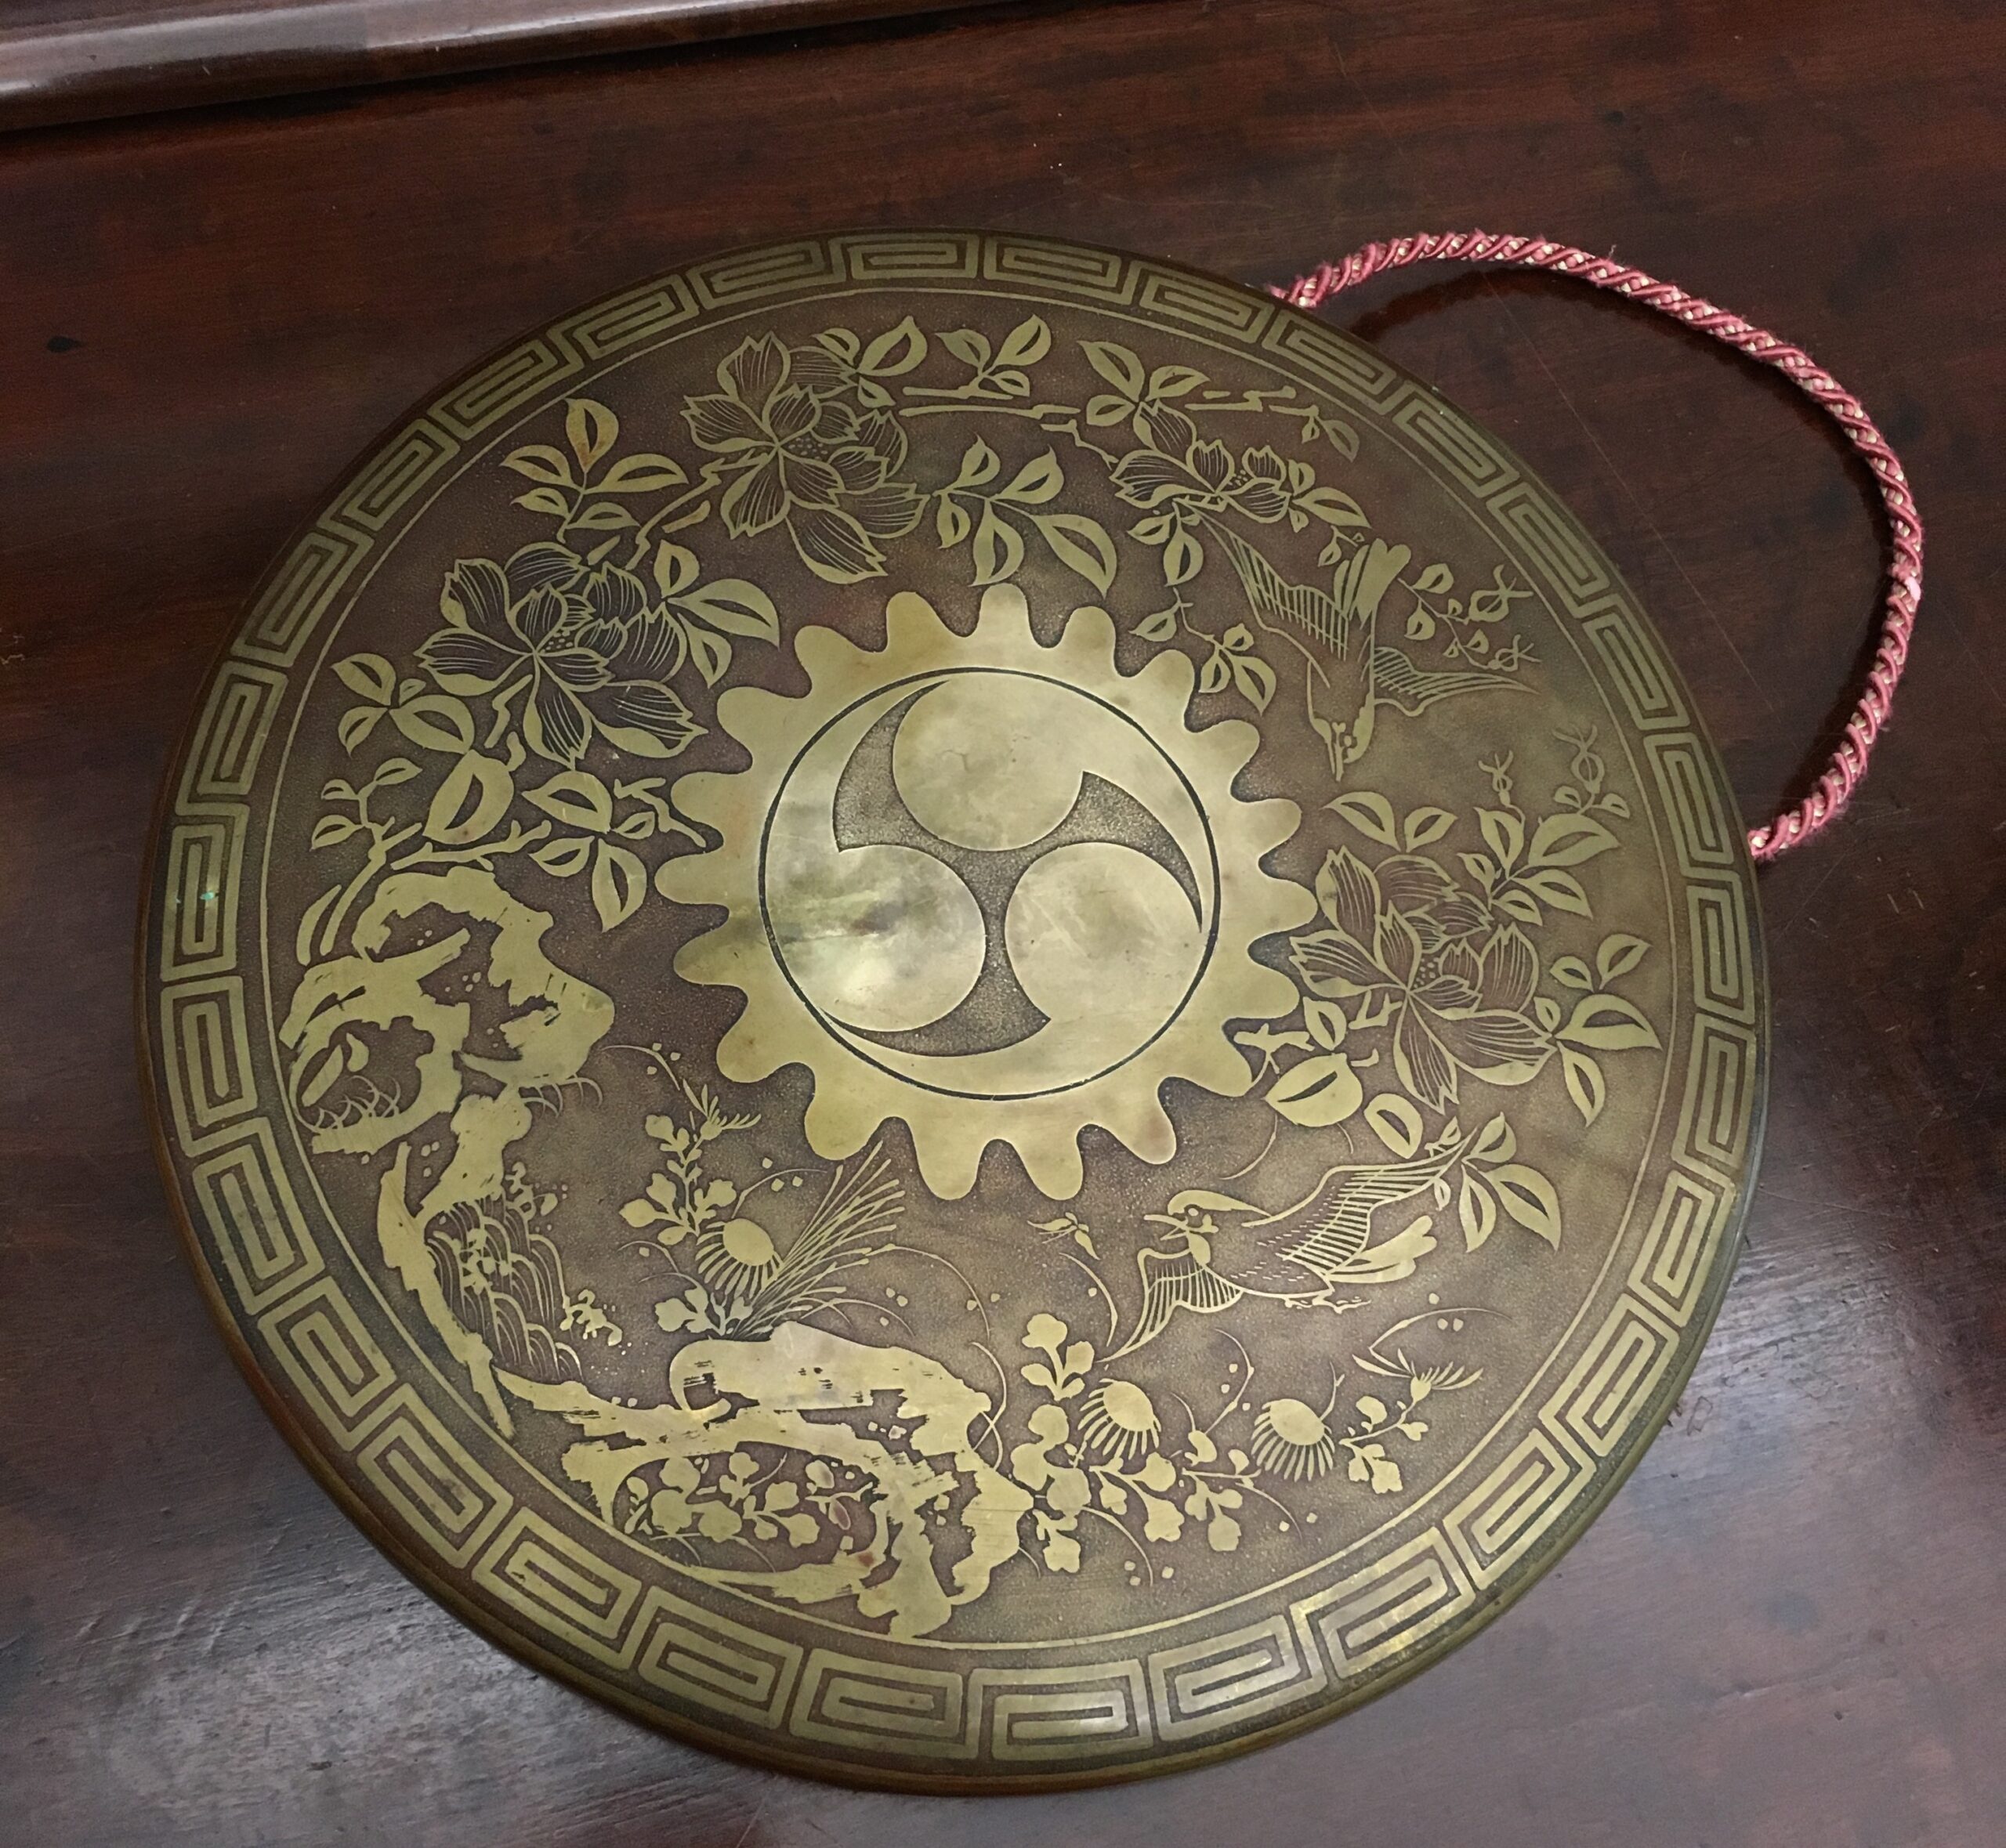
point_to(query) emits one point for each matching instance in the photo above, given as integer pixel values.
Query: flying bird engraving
(1300, 1256)
(1359, 673)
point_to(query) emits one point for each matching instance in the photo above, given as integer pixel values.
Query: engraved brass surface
(962, 1010)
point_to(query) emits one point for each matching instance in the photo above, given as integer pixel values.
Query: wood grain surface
(80, 60)
(1787, 1631)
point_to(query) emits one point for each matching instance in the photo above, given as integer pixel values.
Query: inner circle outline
(933, 676)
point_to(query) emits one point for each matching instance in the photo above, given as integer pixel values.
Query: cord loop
(1841, 776)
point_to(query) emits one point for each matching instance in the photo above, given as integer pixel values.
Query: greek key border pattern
(431, 1486)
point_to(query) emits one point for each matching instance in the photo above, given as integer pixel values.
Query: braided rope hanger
(1834, 788)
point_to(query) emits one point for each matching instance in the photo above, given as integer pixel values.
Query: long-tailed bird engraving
(1300, 1256)
(868, 811)
(1359, 673)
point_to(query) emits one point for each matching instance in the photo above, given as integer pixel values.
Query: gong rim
(1645, 1413)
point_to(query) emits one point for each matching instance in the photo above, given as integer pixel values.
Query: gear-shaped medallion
(998, 891)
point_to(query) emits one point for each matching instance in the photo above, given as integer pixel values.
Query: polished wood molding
(61, 61)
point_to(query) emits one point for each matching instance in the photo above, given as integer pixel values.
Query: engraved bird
(1299, 1256)
(1359, 674)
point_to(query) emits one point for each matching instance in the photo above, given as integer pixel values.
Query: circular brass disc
(962, 1010)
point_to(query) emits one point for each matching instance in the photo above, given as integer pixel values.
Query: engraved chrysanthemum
(996, 890)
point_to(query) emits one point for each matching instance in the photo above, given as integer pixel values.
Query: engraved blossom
(1456, 987)
(801, 458)
(580, 648)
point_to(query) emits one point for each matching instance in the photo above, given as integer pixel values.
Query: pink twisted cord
(1834, 788)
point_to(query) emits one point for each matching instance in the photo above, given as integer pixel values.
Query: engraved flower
(800, 457)
(581, 647)
(1455, 988)
(1293, 1441)
(1117, 1422)
(1180, 472)
(735, 1258)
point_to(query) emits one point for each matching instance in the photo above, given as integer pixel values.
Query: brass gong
(961, 1011)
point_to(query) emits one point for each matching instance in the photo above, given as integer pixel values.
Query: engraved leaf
(1026, 343)
(642, 474)
(620, 882)
(1183, 558)
(539, 461)
(1162, 1520)
(1584, 1082)
(1397, 1123)
(1504, 834)
(604, 516)
(967, 345)
(1327, 1023)
(1255, 680)
(1572, 970)
(1372, 814)
(590, 429)
(736, 606)
(1425, 826)
(1562, 891)
(1608, 1023)
(436, 721)
(952, 523)
(1036, 483)
(715, 1521)
(712, 653)
(1118, 365)
(1529, 1197)
(356, 723)
(980, 466)
(1332, 509)
(330, 830)
(1477, 1209)
(545, 500)
(1174, 381)
(576, 797)
(1081, 544)
(1315, 1093)
(474, 795)
(999, 548)
(1568, 840)
(369, 676)
(1159, 627)
(562, 859)
(894, 352)
(675, 569)
(1495, 1142)
(1618, 956)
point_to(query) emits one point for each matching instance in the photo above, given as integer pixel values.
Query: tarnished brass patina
(960, 1010)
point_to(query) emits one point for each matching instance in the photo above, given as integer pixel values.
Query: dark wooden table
(1788, 1630)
